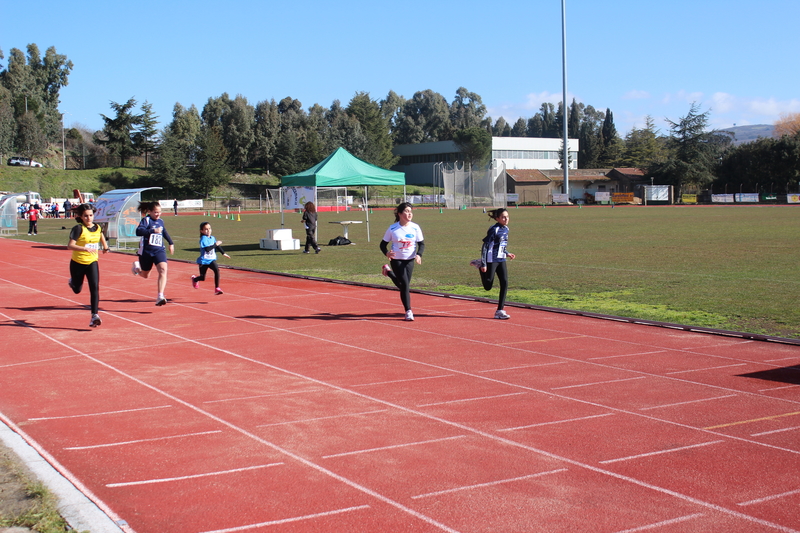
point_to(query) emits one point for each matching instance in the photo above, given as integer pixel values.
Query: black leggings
(204, 268)
(91, 272)
(502, 274)
(310, 240)
(401, 277)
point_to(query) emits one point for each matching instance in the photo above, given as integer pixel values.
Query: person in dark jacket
(310, 222)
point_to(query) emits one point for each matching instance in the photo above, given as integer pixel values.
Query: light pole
(564, 94)
(63, 142)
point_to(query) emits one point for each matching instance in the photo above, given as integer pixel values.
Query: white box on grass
(281, 244)
(279, 234)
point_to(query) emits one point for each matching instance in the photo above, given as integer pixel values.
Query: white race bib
(156, 239)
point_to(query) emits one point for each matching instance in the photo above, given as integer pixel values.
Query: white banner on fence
(296, 197)
(793, 198)
(560, 198)
(602, 196)
(657, 193)
(746, 197)
(722, 198)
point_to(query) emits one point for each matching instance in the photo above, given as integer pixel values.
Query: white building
(422, 162)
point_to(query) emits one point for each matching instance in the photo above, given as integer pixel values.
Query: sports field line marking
(779, 388)
(475, 399)
(488, 484)
(249, 527)
(522, 366)
(565, 421)
(39, 361)
(269, 395)
(752, 420)
(154, 439)
(420, 413)
(303, 420)
(770, 498)
(658, 525)
(541, 340)
(781, 360)
(660, 452)
(598, 383)
(194, 476)
(704, 369)
(774, 431)
(401, 380)
(393, 446)
(104, 413)
(625, 355)
(687, 402)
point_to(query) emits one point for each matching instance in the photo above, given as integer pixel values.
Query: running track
(299, 405)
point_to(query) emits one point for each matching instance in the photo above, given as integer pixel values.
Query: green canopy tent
(342, 169)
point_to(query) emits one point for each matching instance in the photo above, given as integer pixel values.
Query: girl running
(85, 240)
(493, 258)
(407, 246)
(153, 233)
(310, 222)
(209, 246)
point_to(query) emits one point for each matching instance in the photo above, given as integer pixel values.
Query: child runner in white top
(407, 246)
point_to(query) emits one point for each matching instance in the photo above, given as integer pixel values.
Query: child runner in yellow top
(86, 240)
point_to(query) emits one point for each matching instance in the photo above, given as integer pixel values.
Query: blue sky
(737, 59)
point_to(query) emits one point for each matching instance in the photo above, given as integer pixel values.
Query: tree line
(199, 149)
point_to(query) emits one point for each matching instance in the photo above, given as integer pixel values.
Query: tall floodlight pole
(565, 156)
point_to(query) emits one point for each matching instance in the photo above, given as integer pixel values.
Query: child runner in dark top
(493, 258)
(85, 240)
(310, 222)
(209, 246)
(153, 233)
(407, 246)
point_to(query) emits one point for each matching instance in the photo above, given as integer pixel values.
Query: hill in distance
(746, 134)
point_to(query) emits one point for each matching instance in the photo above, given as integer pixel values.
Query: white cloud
(636, 94)
(723, 102)
(773, 108)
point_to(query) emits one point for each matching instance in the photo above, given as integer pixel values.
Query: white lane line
(687, 402)
(488, 484)
(39, 361)
(779, 388)
(473, 399)
(660, 452)
(774, 431)
(703, 369)
(303, 420)
(566, 420)
(658, 525)
(401, 381)
(770, 498)
(124, 443)
(598, 383)
(241, 398)
(195, 476)
(624, 355)
(105, 413)
(248, 527)
(394, 446)
(522, 367)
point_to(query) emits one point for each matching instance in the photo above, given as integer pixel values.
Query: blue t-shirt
(152, 241)
(208, 250)
(494, 245)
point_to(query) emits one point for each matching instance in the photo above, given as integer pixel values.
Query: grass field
(728, 267)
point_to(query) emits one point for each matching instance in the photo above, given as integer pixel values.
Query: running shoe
(218, 291)
(195, 283)
(386, 269)
(135, 269)
(161, 301)
(476, 263)
(95, 321)
(318, 250)
(501, 315)
(306, 252)
(409, 316)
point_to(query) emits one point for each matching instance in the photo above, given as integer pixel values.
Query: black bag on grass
(339, 241)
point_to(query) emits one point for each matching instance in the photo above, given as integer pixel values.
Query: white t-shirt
(403, 239)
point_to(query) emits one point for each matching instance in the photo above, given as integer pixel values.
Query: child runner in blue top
(153, 233)
(493, 258)
(407, 245)
(209, 246)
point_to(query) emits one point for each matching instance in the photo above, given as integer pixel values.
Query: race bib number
(210, 256)
(156, 239)
(501, 251)
(92, 247)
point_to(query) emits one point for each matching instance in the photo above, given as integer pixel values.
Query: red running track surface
(290, 405)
